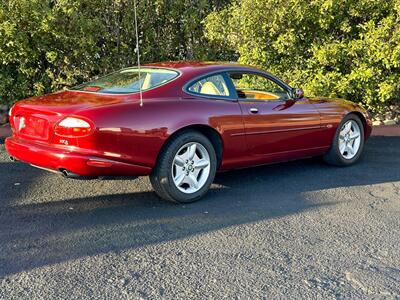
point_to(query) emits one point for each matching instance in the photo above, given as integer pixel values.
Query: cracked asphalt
(292, 230)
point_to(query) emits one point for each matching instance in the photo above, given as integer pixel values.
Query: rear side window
(214, 85)
(129, 81)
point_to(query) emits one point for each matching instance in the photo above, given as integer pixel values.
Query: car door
(211, 100)
(275, 123)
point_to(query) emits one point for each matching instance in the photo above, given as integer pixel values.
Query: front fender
(334, 110)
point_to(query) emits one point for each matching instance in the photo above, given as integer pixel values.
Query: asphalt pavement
(293, 230)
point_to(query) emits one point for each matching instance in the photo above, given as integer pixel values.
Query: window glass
(253, 86)
(128, 81)
(213, 85)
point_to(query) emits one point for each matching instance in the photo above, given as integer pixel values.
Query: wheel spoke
(179, 179)
(192, 181)
(348, 127)
(342, 148)
(191, 151)
(354, 136)
(350, 150)
(179, 161)
(202, 163)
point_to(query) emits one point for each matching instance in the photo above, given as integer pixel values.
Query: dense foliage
(48, 44)
(344, 48)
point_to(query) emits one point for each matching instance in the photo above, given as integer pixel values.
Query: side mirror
(297, 93)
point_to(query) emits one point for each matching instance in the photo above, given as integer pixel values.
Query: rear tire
(185, 168)
(348, 142)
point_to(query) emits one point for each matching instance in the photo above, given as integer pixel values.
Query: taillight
(73, 127)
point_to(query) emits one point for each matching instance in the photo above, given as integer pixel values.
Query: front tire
(348, 142)
(185, 168)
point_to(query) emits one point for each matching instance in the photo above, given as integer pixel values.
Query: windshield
(128, 81)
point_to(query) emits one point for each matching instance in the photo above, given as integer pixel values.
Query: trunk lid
(35, 118)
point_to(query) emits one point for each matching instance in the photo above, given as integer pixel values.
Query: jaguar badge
(22, 124)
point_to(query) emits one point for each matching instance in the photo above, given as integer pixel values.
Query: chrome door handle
(254, 110)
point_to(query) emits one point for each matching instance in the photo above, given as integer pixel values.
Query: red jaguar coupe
(197, 118)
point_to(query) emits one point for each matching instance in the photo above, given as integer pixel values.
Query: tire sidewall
(166, 179)
(344, 161)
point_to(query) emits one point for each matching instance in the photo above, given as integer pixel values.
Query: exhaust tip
(71, 175)
(12, 158)
(68, 174)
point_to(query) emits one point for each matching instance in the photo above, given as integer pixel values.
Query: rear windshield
(129, 81)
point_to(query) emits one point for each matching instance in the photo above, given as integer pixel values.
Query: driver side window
(254, 86)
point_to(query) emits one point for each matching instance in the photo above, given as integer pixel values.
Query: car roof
(200, 66)
(194, 69)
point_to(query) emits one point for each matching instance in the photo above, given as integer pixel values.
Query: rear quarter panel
(135, 134)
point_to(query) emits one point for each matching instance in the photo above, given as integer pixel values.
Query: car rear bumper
(71, 159)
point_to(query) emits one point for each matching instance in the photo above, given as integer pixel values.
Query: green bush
(343, 48)
(46, 45)
(336, 48)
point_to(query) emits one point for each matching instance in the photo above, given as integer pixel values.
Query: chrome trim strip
(276, 131)
(46, 169)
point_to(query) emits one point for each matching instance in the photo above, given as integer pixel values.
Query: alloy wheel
(191, 167)
(349, 139)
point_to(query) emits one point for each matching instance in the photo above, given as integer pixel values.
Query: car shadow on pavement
(44, 231)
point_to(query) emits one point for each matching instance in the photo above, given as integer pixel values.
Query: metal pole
(138, 54)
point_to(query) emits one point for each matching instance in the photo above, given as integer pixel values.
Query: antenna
(138, 54)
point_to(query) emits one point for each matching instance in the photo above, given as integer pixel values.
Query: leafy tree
(345, 48)
(48, 44)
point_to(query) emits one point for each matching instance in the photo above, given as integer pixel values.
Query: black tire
(161, 177)
(333, 156)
